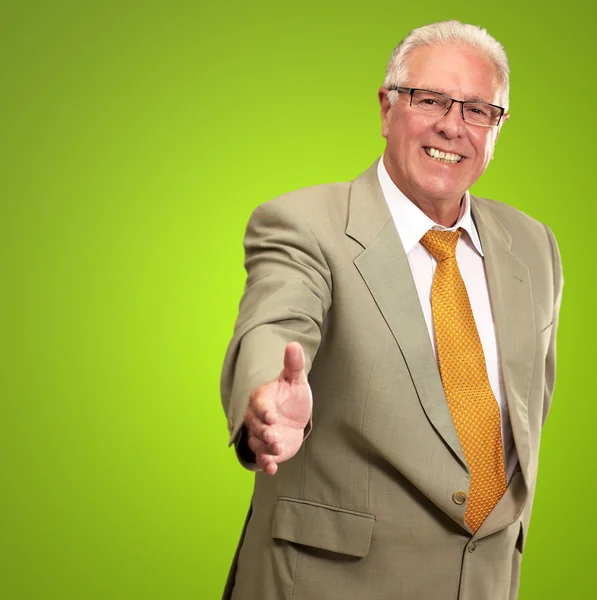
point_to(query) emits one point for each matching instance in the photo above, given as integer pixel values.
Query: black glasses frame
(411, 91)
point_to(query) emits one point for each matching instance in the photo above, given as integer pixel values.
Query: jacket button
(459, 497)
(473, 546)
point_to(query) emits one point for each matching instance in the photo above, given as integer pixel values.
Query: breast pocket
(324, 527)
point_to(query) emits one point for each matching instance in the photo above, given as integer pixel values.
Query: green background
(136, 139)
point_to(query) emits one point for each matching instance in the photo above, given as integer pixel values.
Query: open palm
(279, 411)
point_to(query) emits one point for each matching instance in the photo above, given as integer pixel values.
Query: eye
(430, 101)
(477, 110)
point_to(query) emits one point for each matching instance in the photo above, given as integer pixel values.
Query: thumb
(294, 362)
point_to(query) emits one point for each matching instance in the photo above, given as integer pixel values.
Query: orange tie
(473, 406)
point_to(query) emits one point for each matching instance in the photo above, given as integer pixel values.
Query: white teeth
(446, 157)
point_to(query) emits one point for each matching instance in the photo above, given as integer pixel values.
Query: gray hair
(439, 34)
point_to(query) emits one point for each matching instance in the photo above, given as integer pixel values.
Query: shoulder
(523, 231)
(310, 202)
(512, 219)
(529, 239)
(319, 207)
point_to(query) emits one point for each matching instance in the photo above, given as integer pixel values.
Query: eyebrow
(470, 99)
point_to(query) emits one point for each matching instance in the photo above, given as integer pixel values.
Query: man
(414, 326)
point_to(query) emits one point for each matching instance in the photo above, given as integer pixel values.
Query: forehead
(459, 71)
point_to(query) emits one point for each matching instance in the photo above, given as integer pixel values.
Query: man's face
(460, 72)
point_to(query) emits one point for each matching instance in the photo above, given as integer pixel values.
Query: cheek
(404, 132)
(385, 128)
(484, 146)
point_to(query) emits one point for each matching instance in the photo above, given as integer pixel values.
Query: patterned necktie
(473, 406)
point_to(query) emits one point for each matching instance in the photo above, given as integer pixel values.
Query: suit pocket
(322, 526)
(520, 539)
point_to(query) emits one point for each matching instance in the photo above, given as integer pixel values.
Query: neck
(442, 212)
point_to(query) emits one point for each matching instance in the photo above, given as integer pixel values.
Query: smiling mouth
(445, 157)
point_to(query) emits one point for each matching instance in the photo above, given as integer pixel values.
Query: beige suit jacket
(368, 509)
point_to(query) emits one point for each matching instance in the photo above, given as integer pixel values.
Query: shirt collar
(412, 223)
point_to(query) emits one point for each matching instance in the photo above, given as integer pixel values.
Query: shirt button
(473, 546)
(459, 497)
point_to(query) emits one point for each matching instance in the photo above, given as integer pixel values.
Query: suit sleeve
(286, 296)
(550, 361)
(550, 364)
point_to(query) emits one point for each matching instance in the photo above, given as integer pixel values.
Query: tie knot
(441, 243)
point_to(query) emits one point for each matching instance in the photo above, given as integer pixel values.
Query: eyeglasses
(439, 105)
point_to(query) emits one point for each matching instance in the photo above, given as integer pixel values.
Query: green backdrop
(136, 138)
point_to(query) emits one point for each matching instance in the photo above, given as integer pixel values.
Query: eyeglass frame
(411, 91)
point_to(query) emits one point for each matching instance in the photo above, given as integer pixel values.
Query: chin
(443, 190)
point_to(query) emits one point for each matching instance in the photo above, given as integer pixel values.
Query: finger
(271, 468)
(270, 417)
(270, 435)
(261, 448)
(267, 463)
(261, 404)
(294, 362)
(258, 428)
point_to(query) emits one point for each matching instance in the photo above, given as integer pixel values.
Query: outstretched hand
(279, 411)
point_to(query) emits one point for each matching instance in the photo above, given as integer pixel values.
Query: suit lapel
(512, 304)
(385, 270)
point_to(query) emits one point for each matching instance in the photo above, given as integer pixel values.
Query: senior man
(393, 359)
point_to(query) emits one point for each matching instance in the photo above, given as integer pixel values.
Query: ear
(505, 117)
(386, 107)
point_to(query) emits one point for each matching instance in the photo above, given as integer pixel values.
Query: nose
(452, 123)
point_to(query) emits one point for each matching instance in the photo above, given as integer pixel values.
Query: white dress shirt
(412, 224)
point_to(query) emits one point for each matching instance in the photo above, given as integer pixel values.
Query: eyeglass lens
(434, 103)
